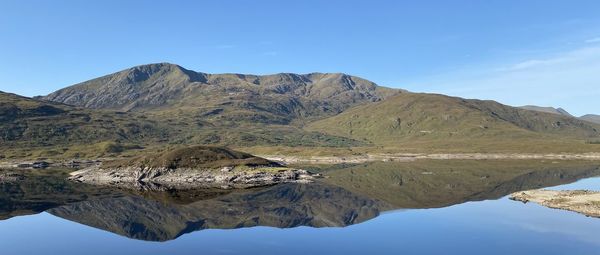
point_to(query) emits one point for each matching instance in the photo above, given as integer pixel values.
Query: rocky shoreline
(585, 202)
(395, 157)
(400, 157)
(188, 178)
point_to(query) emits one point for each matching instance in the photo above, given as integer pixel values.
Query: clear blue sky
(517, 52)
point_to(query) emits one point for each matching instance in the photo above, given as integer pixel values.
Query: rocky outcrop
(192, 167)
(186, 178)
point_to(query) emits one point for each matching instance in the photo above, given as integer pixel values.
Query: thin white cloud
(593, 40)
(527, 64)
(265, 43)
(271, 53)
(569, 79)
(225, 46)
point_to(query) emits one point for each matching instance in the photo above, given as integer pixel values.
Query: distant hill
(559, 111)
(591, 118)
(430, 120)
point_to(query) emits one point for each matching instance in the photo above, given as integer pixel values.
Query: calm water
(383, 208)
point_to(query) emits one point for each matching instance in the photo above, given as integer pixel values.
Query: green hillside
(34, 128)
(437, 122)
(27, 124)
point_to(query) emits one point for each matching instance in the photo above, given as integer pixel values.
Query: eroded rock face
(185, 178)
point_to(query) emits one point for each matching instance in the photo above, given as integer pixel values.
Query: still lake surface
(438, 207)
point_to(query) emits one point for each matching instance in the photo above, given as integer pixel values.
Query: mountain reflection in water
(349, 195)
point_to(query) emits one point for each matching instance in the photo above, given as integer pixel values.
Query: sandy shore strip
(581, 201)
(412, 157)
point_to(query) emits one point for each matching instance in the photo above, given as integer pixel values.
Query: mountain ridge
(286, 95)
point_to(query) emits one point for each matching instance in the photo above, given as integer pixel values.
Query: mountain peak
(163, 68)
(559, 111)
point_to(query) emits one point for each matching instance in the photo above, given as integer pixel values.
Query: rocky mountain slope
(274, 99)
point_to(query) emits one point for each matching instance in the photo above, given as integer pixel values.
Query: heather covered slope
(27, 123)
(33, 128)
(192, 157)
(429, 121)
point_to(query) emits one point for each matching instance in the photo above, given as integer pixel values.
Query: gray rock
(187, 178)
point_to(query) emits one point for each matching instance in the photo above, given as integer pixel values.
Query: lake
(423, 207)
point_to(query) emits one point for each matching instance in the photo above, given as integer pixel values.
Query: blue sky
(517, 52)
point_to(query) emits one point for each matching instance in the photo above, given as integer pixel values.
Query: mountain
(591, 118)
(163, 104)
(559, 111)
(272, 99)
(430, 121)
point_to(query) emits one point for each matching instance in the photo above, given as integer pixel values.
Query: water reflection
(283, 206)
(349, 195)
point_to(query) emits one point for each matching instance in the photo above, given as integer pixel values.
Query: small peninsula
(191, 167)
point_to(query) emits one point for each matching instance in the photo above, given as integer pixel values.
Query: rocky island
(191, 167)
(585, 202)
